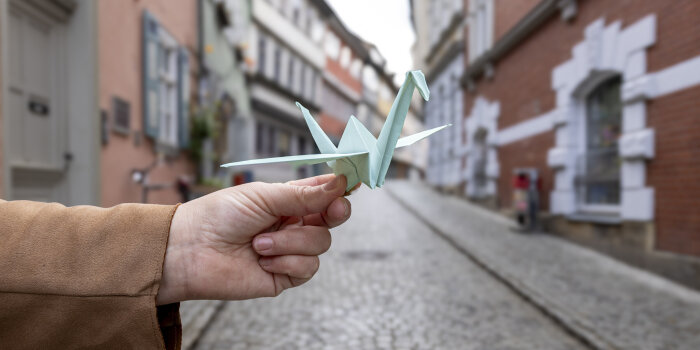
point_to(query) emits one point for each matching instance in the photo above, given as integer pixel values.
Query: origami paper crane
(359, 156)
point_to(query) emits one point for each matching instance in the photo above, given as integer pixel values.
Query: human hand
(253, 240)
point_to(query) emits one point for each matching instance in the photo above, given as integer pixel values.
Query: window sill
(607, 219)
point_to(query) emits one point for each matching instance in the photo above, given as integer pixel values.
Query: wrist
(173, 284)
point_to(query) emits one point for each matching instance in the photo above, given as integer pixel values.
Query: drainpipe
(201, 69)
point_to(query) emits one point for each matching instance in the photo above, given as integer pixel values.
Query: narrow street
(388, 282)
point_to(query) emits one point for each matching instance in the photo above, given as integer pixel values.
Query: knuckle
(301, 193)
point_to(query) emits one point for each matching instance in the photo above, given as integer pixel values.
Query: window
(262, 46)
(312, 85)
(278, 64)
(480, 23)
(309, 22)
(165, 86)
(316, 27)
(290, 72)
(356, 68)
(345, 57)
(270, 142)
(259, 138)
(301, 145)
(332, 46)
(283, 143)
(296, 15)
(599, 165)
(167, 94)
(121, 111)
(302, 76)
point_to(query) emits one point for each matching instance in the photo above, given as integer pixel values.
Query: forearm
(84, 266)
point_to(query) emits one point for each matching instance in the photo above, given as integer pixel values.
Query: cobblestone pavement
(388, 282)
(611, 304)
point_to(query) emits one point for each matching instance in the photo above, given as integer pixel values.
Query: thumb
(293, 200)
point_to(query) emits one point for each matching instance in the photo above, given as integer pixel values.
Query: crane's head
(419, 79)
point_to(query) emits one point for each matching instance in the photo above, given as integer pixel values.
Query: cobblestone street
(388, 282)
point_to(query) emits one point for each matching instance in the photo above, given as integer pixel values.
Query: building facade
(111, 101)
(284, 46)
(223, 92)
(438, 50)
(95, 98)
(599, 98)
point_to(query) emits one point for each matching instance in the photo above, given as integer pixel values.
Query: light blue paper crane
(359, 156)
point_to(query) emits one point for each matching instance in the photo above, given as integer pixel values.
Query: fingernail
(264, 262)
(346, 203)
(339, 211)
(262, 243)
(334, 184)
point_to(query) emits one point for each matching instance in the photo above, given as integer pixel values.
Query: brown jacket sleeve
(84, 277)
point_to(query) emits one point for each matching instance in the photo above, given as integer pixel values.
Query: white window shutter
(151, 58)
(183, 93)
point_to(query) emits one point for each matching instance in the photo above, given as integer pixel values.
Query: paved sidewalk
(196, 316)
(610, 304)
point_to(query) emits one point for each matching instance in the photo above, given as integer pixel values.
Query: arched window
(599, 167)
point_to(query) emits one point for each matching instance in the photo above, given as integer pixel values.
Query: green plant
(202, 127)
(212, 182)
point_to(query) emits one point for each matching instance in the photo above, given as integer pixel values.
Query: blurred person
(113, 278)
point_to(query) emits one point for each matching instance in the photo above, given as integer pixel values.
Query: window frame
(481, 27)
(580, 169)
(262, 53)
(168, 97)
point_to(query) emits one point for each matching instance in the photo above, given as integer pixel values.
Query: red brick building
(602, 98)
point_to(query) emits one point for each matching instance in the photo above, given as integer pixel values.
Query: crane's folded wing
(411, 139)
(296, 160)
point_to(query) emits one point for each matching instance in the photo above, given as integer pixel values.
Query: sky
(386, 24)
